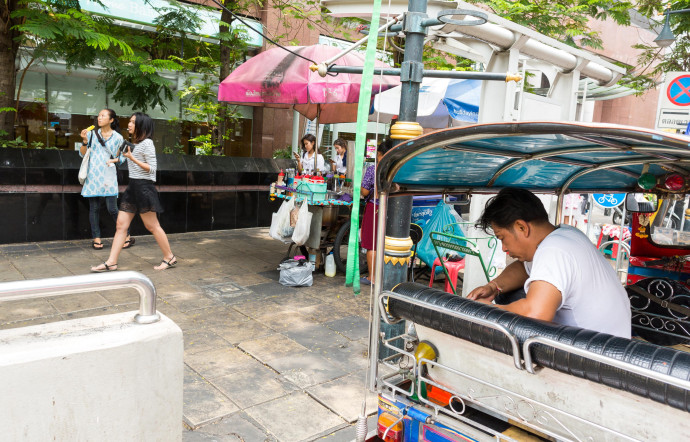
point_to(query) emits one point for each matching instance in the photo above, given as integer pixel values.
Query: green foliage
(177, 149)
(16, 143)
(205, 144)
(283, 153)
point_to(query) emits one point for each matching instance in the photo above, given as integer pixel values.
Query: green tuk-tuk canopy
(545, 157)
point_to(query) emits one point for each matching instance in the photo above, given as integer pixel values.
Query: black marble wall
(40, 196)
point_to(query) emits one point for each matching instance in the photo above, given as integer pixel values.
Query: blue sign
(608, 200)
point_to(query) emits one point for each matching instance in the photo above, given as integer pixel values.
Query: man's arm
(513, 277)
(542, 301)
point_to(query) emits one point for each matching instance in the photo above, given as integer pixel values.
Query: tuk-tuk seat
(666, 361)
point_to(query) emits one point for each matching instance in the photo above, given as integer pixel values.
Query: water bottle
(330, 265)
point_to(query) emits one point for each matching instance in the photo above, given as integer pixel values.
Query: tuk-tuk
(464, 371)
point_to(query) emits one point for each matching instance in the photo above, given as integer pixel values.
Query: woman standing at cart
(371, 210)
(141, 195)
(339, 163)
(305, 162)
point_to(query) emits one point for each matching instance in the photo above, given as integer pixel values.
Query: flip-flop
(169, 264)
(129, 243)
(364, 281)
(96, 245)
(107, 268)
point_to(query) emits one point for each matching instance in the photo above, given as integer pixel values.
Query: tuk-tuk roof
(545, 157)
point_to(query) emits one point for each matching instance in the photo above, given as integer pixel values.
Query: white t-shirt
(308, 163)
(592, 295)
(339, 166)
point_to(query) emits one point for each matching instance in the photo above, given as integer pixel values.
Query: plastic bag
(296, 273)
(301, 234)
(443, 216)
(280, 221)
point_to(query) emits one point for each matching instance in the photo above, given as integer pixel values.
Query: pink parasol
(277, 78)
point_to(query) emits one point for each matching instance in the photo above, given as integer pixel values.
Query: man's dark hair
(510, 205)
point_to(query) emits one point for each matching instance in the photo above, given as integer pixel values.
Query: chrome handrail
(498, 327)
(529, 365)
(67, 285)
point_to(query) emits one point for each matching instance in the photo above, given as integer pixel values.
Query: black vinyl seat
(663, 360)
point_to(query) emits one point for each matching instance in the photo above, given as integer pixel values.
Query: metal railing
(68, 285)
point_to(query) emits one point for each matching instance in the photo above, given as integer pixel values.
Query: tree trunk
(9, 46)
(223, 122)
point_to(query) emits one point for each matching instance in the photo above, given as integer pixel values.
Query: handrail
(492, 325)
(67, 285)
(529, 365)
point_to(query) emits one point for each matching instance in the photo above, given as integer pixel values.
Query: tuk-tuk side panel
(641, 246)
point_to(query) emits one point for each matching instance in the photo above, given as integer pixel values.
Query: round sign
(607, 200)
(678, 91)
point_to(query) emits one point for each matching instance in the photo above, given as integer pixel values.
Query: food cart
(464, 371)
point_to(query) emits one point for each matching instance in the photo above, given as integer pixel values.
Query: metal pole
(375, 322)
(394, 72)
(41, 288)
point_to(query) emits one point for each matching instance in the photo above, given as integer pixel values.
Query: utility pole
(397, 244)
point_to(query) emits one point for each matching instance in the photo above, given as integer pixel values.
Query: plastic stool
(453, 267)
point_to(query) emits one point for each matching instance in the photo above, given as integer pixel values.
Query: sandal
(97, 245)
(172, 262)
(106, 268)
(129, 243)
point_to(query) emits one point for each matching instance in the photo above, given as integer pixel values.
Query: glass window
(69, 94)
(670, 225)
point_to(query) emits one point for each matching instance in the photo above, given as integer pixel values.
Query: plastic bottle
(281, 175)
(330, 265)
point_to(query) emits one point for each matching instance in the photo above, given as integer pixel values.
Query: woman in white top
(141, 195)
(339, 163)
(305, 163)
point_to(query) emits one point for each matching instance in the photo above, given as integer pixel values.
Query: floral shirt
(101, 179)
(368, 182)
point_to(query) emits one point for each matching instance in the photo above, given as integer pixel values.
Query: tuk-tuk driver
(565, 278)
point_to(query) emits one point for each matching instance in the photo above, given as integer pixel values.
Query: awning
(540, 156)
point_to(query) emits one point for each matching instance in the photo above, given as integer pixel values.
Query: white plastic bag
(285, 230)
(301, 233)
(280, 220)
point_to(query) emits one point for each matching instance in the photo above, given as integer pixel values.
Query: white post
(295, 132)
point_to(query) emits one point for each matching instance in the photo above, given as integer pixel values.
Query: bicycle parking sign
(609, 200)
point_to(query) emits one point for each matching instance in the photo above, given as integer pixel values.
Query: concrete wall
(95, 379)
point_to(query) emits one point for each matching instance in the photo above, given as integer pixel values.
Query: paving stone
(272, 289)
(349, 433)
(315, 337)
(220, 362)
(352, 327)
(243, 331)
(286, 320)
(296, 417)
(111, 310)
(271, 347)
(350, 356)
(196, 341)
(202, 402)
(190, 301)
(306, 369)
(253, 387)
(237, 427)
(216, 317)
(345, 395)
(12, 311)
(77, 302)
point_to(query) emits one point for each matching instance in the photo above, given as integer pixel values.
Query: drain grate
(224, 291)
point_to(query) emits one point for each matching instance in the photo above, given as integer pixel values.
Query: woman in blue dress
(101, 179)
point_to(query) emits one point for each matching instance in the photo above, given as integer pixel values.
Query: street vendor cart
(464, 371)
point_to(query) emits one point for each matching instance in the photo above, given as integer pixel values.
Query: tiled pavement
(263, 362)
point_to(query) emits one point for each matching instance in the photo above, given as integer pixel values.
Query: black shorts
(140, 196)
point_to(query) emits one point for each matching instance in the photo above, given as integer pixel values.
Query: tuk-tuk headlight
(674, 182)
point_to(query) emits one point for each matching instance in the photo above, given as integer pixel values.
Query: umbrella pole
(316, 144)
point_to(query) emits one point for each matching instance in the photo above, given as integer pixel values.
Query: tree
(51, 29)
